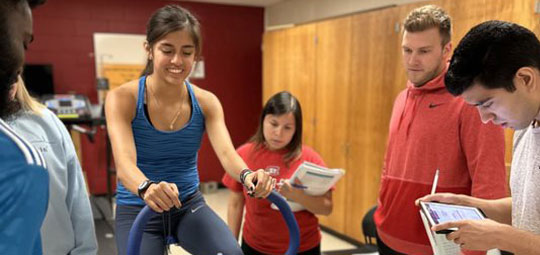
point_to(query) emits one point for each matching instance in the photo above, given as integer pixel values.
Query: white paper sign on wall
(198, 70)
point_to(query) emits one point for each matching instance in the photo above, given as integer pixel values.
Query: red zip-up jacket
(431, 129)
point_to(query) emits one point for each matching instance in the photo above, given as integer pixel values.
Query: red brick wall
(232, 36)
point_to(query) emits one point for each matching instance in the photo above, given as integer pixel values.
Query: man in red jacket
(429, 130)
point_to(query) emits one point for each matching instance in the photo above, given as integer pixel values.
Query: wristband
(243, 175)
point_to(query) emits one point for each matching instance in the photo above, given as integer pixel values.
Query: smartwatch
(143, 187)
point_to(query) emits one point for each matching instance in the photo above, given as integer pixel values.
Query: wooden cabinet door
(374, 54)
(289, 64)
(468, 13)
(332, 74)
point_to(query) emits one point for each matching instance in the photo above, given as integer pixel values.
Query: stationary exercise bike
(136, 232)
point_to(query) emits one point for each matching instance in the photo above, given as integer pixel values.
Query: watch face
(142, 187)
(143, 184)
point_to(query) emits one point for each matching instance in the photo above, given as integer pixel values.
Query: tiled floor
(217, 201)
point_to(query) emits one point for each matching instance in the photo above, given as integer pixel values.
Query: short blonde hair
(27, 102)
(429, 16)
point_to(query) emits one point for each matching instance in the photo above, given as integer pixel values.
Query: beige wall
(288, 12)
(112, 48)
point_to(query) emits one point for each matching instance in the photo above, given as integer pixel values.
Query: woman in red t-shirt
(277, 148)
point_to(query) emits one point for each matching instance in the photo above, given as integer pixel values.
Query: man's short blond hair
(429, 16)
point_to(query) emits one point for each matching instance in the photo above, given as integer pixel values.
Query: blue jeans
(198, 229)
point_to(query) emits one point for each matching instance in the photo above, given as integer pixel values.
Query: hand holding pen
(290, 189)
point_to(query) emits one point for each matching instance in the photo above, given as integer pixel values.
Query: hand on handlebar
(162, 196)
(259, 183)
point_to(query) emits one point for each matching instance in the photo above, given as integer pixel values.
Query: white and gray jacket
(68, 227)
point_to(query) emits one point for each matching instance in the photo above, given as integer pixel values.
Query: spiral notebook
(317, 179)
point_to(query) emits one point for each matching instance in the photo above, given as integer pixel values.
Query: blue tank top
(169, 156)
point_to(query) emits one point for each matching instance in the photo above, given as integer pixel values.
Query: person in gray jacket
(68, 227)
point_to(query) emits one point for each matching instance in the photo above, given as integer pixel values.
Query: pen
(435, 180)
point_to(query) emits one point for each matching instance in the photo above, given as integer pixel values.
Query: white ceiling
(259, 3)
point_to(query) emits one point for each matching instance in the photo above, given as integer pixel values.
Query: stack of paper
(316, 179)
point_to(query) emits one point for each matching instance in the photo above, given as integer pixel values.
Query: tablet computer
(438, 213)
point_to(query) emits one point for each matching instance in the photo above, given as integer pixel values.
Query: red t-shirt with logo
(264, 228)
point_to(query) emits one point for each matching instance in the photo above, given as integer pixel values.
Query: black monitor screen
(65, 103)
(38, 79)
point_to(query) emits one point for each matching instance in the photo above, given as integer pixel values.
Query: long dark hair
(282, 103)
(168, 19)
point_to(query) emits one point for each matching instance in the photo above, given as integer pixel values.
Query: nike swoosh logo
(432, 105)
(193, 210)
